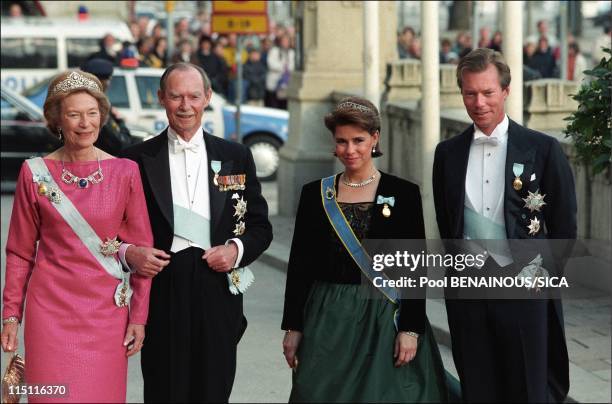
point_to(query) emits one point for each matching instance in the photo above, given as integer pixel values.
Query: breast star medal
(240, 208)
(517, 169)
(534, 201)
(110, 246)
(240, 228)
(534, 226)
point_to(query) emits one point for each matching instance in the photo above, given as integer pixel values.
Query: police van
(36, 48)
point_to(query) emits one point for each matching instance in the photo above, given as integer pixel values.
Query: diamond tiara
(353, 105)
(74, 81)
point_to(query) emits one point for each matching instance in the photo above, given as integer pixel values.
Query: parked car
(24, 134)
(134, 93)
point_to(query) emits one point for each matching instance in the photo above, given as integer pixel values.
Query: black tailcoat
(541, 155)
(194, 321)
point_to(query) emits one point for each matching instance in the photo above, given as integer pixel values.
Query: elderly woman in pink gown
(80, 323)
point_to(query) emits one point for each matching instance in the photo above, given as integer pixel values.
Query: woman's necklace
(82, 183)
(359, 184)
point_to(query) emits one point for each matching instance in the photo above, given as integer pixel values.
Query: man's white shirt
(484, 181)
(189, 181)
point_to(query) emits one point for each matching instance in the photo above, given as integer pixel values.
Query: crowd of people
(541, 51)
(267, 59)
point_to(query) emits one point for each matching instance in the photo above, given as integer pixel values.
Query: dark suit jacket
(152, 158)
(312, 243)
(541, 155)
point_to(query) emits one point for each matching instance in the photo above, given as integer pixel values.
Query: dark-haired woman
(342, 346)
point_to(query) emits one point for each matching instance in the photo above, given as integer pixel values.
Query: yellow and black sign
(240, 17)
(240, 24)
(239, 7)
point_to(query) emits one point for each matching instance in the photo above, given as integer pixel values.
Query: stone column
(330, 37)
(513, 53)
(563, 43)
(371, 61)
(430, 107)
(475, 23)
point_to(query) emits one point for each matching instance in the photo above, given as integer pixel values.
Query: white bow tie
(177, 147)
(491, 140)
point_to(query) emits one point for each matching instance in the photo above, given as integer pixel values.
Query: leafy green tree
(590, 126)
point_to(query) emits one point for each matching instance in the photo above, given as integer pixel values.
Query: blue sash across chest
(350, 241)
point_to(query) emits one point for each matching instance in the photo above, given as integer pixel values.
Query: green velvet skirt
(346, 353)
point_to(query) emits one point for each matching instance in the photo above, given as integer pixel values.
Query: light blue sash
(351, 242)
(191, 226)
(84, 232)
(478, 227)
(196, 228)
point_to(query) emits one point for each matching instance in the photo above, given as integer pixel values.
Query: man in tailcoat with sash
(209, 220)
(500, 180)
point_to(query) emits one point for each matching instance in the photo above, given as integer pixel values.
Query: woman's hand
(291, 342)
(9, 337)
(405, 349)
(134, 338)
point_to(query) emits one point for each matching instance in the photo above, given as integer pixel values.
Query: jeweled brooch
(110, 247)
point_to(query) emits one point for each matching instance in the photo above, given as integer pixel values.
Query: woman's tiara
(353, 105)
(75, 81)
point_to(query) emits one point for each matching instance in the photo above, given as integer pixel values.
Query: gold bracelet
(11, 319)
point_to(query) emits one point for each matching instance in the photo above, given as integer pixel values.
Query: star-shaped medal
(240, 227)
(534, 201)
(534, 226)
(240, 208)
(110, 246)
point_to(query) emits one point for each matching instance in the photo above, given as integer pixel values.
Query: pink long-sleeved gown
(74, 332)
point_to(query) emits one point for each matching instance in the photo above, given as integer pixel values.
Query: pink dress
(73, 330)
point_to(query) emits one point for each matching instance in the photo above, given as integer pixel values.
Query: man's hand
(146, 261)
(291, 342)
(221, 258)
(10, 342)
(134, 338)
(405, 349)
